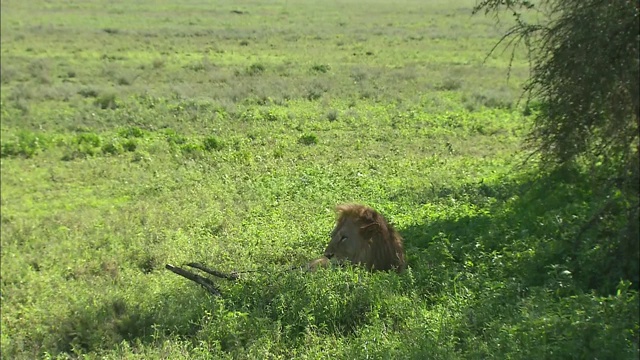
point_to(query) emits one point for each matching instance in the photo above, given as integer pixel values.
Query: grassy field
(136, 134)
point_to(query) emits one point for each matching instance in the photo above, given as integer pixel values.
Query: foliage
(25, 143)
(585, 74)
(308, 139)
(131, 132)
(107, 101)
(212, 143)
(207, 158)
(584, 81)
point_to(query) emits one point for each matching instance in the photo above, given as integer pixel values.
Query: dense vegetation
(142, 133)
(585, 68)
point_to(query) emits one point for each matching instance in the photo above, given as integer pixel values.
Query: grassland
(136, 134)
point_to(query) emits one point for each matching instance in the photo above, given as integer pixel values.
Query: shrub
(88, 92)
(106, 101)
(320, 68)
(25, 144)
(308, 139)
(40, 70)
(449, 84)
(212, 143)
(256, 69)
(113, 147)
(130, 145)
(191, 149)
(90, 139)
(174, 138)
(274, 114)
(8, 74)
(131, 132)
(332, 115)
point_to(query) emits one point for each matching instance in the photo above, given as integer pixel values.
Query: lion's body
(364, 237)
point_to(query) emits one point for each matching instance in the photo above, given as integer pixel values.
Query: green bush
(174, 138)
(106, 101)
(211, 143)
(320, 68)
(24, 143)
(256, 69)
(332, 115)
(130, 145)
(113, 147)
(131, 132)
(191, 149)
(88, 92)
(89, 139)
(308, 139)
(274, 114)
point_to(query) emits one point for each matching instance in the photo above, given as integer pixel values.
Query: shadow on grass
(531, 229)
(530, 267)
(109, 322)
(281, 308)
(506, 245)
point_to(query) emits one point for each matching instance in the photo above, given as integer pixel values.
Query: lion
(363, 237)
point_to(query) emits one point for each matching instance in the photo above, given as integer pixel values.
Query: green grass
(146, 133)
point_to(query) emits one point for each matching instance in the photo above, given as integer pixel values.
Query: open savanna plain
(141, 133)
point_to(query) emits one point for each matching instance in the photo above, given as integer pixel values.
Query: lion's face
(347, 242)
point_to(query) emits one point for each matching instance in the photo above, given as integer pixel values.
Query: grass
(135, 135)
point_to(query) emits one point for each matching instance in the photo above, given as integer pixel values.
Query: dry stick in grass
(206, 283)
(233, 276)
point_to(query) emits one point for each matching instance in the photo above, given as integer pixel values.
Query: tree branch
(233, 276)
(204, 282)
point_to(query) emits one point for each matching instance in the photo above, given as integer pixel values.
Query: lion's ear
(341, 209)
(370, 229)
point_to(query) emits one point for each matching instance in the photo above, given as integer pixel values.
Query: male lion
(363, 236)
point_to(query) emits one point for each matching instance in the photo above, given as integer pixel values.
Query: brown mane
(384, 248)
(375, 244)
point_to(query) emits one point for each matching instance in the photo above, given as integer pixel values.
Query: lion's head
(363, 236)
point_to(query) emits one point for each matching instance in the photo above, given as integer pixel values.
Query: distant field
(136, 134)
